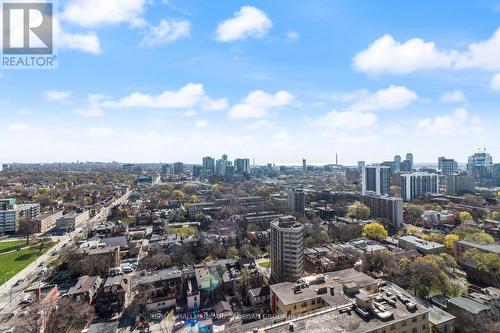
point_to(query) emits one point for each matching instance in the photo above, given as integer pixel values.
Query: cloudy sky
(168, 80)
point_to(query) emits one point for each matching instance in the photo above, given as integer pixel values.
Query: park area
(11, 245)
(13, 262)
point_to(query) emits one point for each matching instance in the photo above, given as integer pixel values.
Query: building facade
(296, 200)
(447, 166)
(384, 207)
(287, 249)
(415, 184)
(458, 185)
(377, 179)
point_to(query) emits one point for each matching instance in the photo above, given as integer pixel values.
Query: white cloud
(258, 102)
(345, 120)
(292, 36)
(391, 98)
(94, 13)
(18, 127)
(386, 55)
(166, 32)
(57, 95)
(86, 42)
(190, 96)
(495, 82)
(247, 22)
(100, 131)
(455, 96)
(261, 124)
(190, 113)
(89, 113)
(459, 122)
(481, 55)
(201, 123)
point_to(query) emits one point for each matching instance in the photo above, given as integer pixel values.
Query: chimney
(38, 294)
(332, 290)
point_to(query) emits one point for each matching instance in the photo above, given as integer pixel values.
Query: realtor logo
(28, 35)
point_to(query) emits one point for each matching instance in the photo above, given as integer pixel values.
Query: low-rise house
(85, 289)
(422, 246)
(259, 296)
(474, 310)
(112, 295)
(162, 288)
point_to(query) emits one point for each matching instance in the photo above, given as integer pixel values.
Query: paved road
(11, 295)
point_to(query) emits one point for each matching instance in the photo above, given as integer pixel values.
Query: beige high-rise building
(287, 249)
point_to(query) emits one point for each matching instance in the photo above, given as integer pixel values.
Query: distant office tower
(242, 165)
(229, 171)
(197, 170)
(296, 200)
(447, 166)
(458, 185)
(413, 185)
(391, 165)
(480, 166)
(409, 157)
(384, 207)
(1, 166)
(397, 162)
(361, 165)
(287, 250)
(208, 163)
(178, 168)
(304, 165)
(377, 179)
(406, 166)
(165, 169)
(495, 173)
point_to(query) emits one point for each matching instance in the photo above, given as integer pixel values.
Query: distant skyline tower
(377, 179)
(409, 157)
(397, 162)
(304, 165)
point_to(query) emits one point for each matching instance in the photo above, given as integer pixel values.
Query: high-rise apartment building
(242, 165)
(287, 249)
(385, 208)
(208, 163)
(178, 168)
(416, 184)
(165, 169)
(397, 162)
(304, 165)
(296, 200)
(10, 213)
(458, 185)
(447, 166)
(480, 166)
(377, 179)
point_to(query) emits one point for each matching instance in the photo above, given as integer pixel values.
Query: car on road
(54, 253)
(127, 269)
(18, 282)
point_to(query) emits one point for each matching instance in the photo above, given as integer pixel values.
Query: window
(403, 323)
(414, 320)
(424, 327)
(393, 327)
(304, 304)
(414, 330)
(313, 302)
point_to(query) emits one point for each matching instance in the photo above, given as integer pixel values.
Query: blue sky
(158, 81)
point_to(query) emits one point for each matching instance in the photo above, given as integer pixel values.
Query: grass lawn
(265, 264)
(12, 263)
(183, 231)
(10, 245)
(128, 220)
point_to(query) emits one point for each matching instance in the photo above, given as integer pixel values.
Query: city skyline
(172, 81)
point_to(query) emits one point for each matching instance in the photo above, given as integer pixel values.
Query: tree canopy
(374, 230)
(358, 211)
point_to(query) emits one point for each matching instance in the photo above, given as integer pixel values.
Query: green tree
(232, 252)
(177, 194)
(479, 237)
(465, 217)
(449, 243)
(413, 213)
(374, 230)
(495, 216)
(358, 211)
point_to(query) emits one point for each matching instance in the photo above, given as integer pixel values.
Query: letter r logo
(27, 28)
